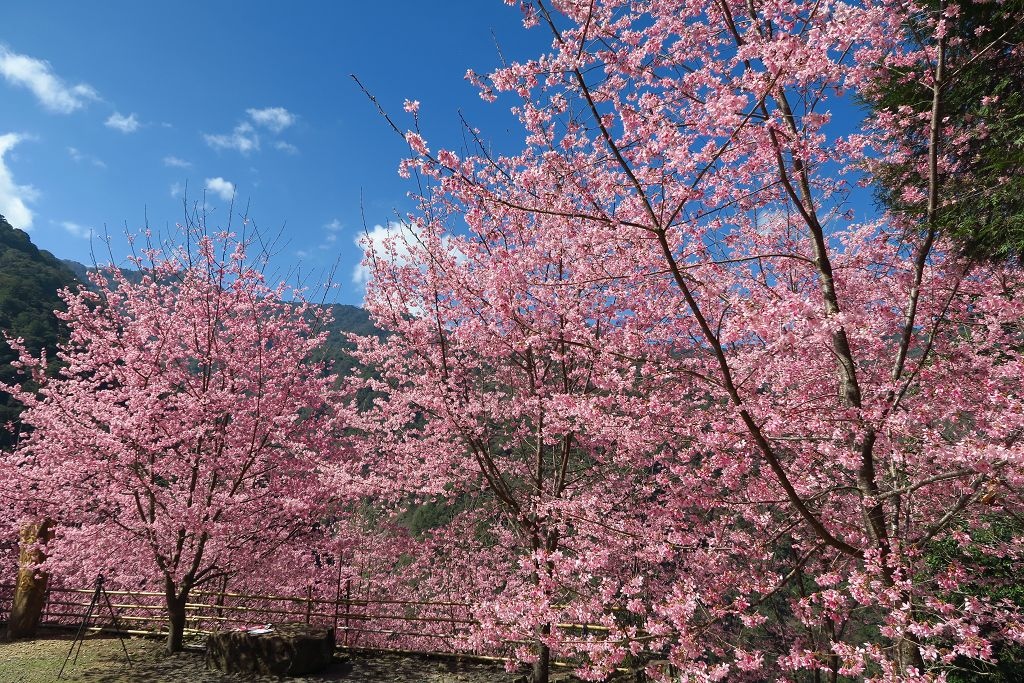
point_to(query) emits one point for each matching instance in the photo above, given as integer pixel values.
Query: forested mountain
(346, 320)
(80, 270)
(29, 281)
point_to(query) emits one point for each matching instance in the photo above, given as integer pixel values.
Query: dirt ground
(102, 660)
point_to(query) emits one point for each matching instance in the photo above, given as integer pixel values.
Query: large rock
(285, 650)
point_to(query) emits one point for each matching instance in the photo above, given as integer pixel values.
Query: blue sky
(111, 109)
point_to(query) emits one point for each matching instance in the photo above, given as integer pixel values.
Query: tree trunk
(175, 617)
(910, 654)
(176, 622)
(30, 590)
(542, 667)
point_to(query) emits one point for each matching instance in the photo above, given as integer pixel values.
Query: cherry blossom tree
(500, 420)
(807, 426)
(182, 439)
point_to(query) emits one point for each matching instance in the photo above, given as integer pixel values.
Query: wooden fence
(429, 626)
(358, 621)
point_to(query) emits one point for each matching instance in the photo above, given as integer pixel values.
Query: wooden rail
(357, 621)
(366, 622)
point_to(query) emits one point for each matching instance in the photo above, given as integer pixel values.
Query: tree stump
(282, 650)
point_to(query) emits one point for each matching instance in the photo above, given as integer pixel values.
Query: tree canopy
(660, 331)
(183, 435)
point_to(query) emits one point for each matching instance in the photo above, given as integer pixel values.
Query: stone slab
(280, 649)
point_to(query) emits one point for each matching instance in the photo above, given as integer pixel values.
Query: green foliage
(420, 519)
(346, 319)
(424, 517)
(997, 580)
(338, 349)
(982, 201)
(29, 281)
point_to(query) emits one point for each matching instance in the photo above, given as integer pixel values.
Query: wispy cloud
(125, 124)
(175, 162)
(37, 75)
(275, 119)
(79, 157)
(331, 238)
(220, 187)
(83, 231)
(177, 189)
(286, 147)
(14, 197)
(242, 139)
(328, 242)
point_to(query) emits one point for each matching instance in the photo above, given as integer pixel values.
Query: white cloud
(394, 244)
(382, 242)
(125, 124)
(175, 162)
(222, 188)
(79, 157)
(37, 75)
(334, 226)
(275, 119)
(242, 139)
(176, 189)
(77, 230)
(766, 222)
(14, 197)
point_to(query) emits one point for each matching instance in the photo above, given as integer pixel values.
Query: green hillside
(347, 319)
(29, 281)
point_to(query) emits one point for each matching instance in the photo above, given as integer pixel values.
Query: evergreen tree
(981, 161)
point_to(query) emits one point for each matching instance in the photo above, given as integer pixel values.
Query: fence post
(337, 601)
(348, 606)
(220, 603)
